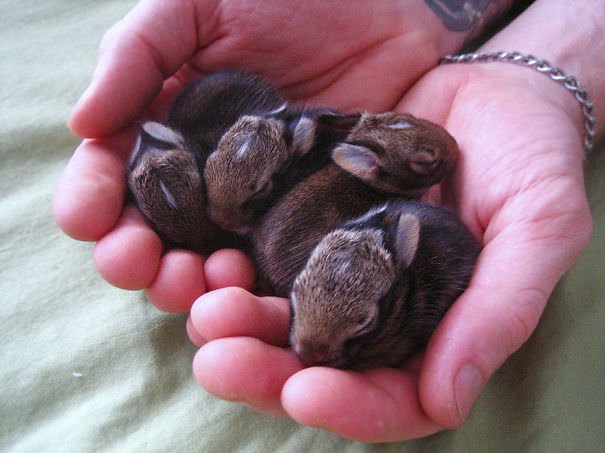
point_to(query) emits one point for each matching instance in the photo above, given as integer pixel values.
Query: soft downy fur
(230, 147)
(383, 157)
(165, 171)
(375, 288)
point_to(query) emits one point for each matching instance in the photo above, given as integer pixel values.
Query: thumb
(515, 275)
(136, 55)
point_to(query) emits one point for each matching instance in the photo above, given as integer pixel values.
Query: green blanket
(88, 367)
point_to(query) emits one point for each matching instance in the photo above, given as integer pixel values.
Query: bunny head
(241, 174)
(167, 187)
(336, 299)
(397, 153)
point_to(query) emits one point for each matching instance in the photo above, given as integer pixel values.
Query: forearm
(569, 35)
(458, 21)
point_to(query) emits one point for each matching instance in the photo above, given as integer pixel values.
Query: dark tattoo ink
(459, 15)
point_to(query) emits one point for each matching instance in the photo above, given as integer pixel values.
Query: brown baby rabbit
(261, 157)
(375, 288)
(166, 184)
(384, 156)
(165, 171)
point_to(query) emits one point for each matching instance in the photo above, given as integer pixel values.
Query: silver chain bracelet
(544, 67)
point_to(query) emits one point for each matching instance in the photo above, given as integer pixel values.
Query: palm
(316, 52)
(521, 159)
(518, 187)
(516, 146)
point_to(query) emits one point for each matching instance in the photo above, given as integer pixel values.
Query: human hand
(518, 186)
(315, 52)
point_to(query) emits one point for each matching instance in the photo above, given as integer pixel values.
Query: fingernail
(467, 386)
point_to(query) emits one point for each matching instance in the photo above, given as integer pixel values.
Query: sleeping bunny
(231, 146)
(261, 158)
(384, 156)
(165, 171)
(375, 288)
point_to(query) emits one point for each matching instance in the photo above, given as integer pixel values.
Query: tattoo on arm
(462, 15)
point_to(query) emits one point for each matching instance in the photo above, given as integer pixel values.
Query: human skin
(519, 187)
(142, 67)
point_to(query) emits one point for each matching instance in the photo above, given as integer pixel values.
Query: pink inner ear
(357, 160)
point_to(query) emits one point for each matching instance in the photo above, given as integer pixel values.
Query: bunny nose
(313, 353)
(227, 222)
(221, 218)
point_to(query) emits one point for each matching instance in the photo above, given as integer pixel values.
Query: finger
(193, 334)
(178, 281)
(229, 267)
(129, 256)
(89, 195)
(232, 312)
(376, 406)
(516, 273)
(136, 56)
(245, 370)
(437, 110)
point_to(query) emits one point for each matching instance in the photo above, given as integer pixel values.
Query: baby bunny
(375, 288)
(397, 153)
(384, 156)
(205, 110)
(165, 170)
(261, 157)
(164, 180)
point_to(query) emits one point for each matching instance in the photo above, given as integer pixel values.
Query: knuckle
(524, 315)
(110, 36)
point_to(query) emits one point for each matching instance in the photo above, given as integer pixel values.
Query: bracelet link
(543, 66)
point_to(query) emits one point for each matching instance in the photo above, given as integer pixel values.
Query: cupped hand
(518, 186)
(315, 52)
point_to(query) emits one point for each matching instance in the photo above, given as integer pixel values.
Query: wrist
(544, 68)
(458, 22)
(443, 27)
(568, 35)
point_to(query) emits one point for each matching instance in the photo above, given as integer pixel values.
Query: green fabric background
(87, 367)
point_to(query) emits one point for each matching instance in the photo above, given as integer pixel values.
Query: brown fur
(241, 175)
(373, 164)
(169, 191)
(165, 171)
(374, 289)
(397, 153)
(285, 236)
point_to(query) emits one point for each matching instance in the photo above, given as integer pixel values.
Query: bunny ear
(281, 109)
(153, 136)
(357, 160)
(303, 135)
(158, 134)
(408, 237)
